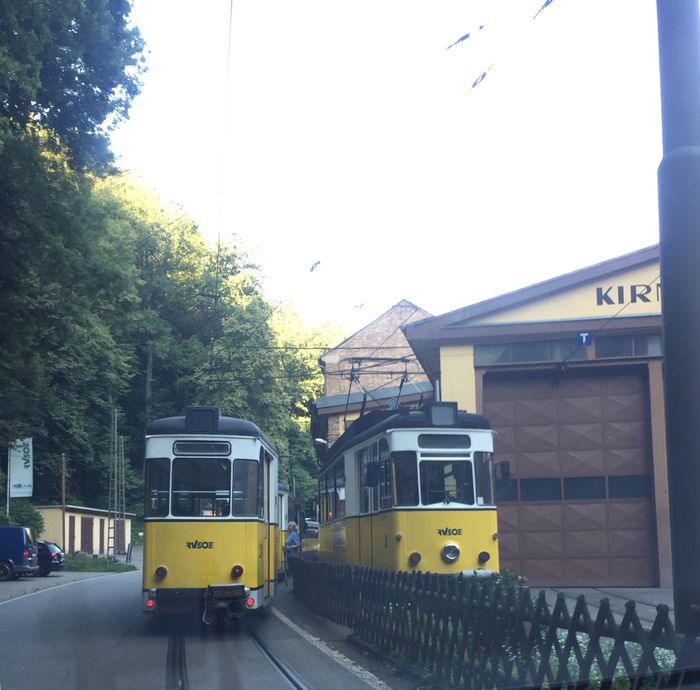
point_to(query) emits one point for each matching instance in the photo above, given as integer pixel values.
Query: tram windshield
(201, 487)
(446, 481)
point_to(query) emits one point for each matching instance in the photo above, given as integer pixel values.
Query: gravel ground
(28, 585)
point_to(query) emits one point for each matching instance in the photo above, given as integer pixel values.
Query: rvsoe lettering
(199, 544)
(450, 531)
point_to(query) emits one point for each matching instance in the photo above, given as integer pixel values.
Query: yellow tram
(210, 525)
(411, 490)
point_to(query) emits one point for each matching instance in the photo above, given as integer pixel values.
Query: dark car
(17, 552)
(51, 557)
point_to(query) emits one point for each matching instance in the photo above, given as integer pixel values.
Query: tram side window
(445, 481)
(385, 491)
(325, 497)
(157, 487)
(484, 478)
(246, 483)
(201, 487)
(405, 469)
(339, 495)
(363, 461)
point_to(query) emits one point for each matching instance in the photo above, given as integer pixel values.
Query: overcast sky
(352, 137)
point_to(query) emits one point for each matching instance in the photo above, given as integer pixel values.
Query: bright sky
(352, 138)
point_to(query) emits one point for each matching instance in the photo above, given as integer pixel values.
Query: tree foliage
(72, 67)
(109, 299)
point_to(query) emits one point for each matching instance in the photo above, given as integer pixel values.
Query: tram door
(265, 508)
(369, 504)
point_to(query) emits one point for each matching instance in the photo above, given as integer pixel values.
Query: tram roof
(205, 421)
(376, 421)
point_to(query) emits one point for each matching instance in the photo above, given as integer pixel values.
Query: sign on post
(21, 468)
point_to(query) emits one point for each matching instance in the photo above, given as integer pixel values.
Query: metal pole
(679, 217)
(7, 499)
(63, 502)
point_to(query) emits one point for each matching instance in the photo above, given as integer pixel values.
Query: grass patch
(89, 564)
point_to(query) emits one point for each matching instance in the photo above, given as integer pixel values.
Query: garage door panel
(582, 463)
(545, 518)
(636, 572)
(542, 569)
(542, 544)
(629, 543)
(508, 545)
(538, 464)
(536, 412)
(586, 571)
(586, 543)
(579, 410)
(500, 413)
(508, 518)
(622, 385)
(626, 461)
(504, 439)
(578, 387)
(624, 434)
(536, 438)
(630, 515)
(623, 408)
(580, 436)
(583, 516)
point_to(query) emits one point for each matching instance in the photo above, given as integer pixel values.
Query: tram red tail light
(236, 571)
(414, 558)
(483, 557)
(161, 572)
(150, 604)
(250, 602)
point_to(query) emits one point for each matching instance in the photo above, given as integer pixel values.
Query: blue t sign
(584, 338)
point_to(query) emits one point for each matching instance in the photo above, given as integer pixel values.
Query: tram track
(176, 664)
(176, 672)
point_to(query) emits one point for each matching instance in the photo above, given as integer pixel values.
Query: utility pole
(679, 218)
(63, 502)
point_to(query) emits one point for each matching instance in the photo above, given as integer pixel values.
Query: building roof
(427, 335)
(83, 509)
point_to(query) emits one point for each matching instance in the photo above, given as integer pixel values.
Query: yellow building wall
(457, 376)
(52, 525)
(638, 289)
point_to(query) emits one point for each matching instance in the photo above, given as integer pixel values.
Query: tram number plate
(225, 592)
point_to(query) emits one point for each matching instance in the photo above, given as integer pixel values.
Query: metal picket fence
(483, 632)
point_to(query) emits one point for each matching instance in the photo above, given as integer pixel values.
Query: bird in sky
(314, 265)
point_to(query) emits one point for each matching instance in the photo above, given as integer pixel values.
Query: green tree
(71, 66)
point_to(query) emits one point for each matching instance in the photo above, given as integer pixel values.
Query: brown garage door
(575, 508)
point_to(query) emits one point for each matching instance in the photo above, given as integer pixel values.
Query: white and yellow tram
(210, 525)
(411, 490)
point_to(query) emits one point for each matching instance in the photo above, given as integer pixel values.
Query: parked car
(18, 552)
(51, 557)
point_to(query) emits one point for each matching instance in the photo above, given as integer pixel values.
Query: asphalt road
(90, 633)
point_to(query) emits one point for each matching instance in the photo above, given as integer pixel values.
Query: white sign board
(21, 466)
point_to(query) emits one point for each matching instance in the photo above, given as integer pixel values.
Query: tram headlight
(161, 572)
(483, 557)
(450, 553)
(236, 571)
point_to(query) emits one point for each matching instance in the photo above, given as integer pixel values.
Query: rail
(486, 633)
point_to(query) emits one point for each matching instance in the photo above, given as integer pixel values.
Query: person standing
(292, 545)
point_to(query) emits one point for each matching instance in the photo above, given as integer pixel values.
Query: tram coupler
(224, 603)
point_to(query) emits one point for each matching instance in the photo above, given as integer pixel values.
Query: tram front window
(446, 481)
(201, 487)
(157, 487)
(405, 477)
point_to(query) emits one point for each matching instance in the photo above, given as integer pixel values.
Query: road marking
(65, 584)
(362, 673)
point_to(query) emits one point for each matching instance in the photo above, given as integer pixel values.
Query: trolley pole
(679, 217)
